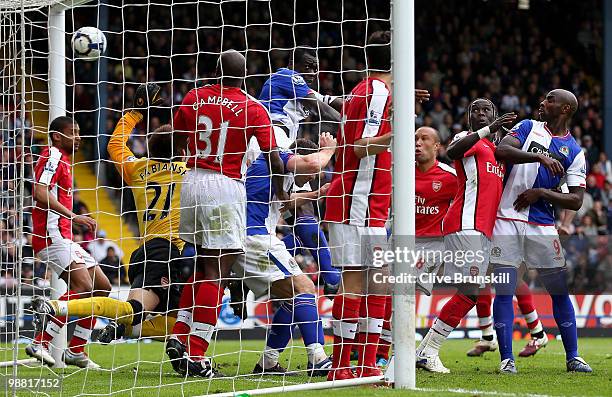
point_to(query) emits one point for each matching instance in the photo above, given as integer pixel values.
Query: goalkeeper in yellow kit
(155, 267)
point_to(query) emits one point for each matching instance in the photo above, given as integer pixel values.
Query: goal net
(176, 45)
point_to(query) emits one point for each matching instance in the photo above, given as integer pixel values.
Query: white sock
(532, 317)
(488, 331)
(431, 343)
(269, 358)
(315, 352)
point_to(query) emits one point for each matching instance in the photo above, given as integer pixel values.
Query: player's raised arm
(118, 151)
(460, 146)
(320, 109)
(313, 163)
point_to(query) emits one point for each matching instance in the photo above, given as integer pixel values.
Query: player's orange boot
(341, 374)
(367, 372)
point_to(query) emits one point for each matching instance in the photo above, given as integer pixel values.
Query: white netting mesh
(175, 45)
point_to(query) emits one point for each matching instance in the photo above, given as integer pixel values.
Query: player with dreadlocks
(468, 224)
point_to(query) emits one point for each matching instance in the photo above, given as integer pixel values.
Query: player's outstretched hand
(146, 95)
(86, 221)
(327, 141)
(553, 165)
(505, 119)
(527, 198)
(421, 95)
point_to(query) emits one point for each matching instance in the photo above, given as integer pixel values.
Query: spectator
(598, 175)
(99, 247)
(113, 267)
(588, 227)
(606, 166)
(590, 150)
(510, 101)
(599, 215)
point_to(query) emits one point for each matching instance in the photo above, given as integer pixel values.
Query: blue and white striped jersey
(281, 94)
(535, 137)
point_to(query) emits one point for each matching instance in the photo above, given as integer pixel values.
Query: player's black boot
(111, 332)
(175, 350)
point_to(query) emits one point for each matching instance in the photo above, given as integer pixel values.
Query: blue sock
(293, 244)
(282, 328)
(313, 239)
(306, 316)
(555, 281)
(503, 309)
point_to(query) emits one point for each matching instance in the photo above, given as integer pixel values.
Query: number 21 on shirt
(205, 134)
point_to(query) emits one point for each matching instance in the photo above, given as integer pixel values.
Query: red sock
(483, 307)
(455, 309)
(345, 312)
(81, 334)
(374, 306)
(384, 345)
(524, 298)
(208, 300)
(183, 321)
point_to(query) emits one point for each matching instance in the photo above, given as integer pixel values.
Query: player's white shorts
(213, 210)
(265, 261)
(515, 242)
(353, 245)
(433, 250)
(61, 253)
(470, 250)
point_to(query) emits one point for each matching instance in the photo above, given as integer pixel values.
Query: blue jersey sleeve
(521, 130)
(291, 84)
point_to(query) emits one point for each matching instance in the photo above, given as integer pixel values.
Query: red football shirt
(434, 191)
(219, 124)
(53, 170)
(480, 181)
(360, 191)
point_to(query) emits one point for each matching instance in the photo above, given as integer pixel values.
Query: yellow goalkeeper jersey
(156, 185)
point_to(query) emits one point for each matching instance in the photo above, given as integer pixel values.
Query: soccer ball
(88, 43)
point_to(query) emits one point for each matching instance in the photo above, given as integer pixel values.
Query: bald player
(435, 188)
(215, 123)
(540, 156)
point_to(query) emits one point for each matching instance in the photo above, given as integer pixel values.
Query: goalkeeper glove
(146, 95)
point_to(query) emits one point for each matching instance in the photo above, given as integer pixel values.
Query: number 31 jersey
(219, 123)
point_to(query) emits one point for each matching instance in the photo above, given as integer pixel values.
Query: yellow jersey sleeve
(118, 150)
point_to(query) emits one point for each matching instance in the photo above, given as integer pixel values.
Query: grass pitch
(142, 369)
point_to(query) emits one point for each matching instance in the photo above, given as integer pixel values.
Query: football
(88, 43)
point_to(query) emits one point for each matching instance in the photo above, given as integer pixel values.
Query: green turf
(542, 375)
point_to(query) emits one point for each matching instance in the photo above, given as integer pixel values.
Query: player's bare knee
(303, 285)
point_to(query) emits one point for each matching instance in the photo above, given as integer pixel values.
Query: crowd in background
(480, 49)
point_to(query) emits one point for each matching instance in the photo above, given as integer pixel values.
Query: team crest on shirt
(298, 79)
(436, 186)
(564, 150)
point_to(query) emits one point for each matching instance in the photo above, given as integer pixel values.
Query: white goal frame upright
(403, 61)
